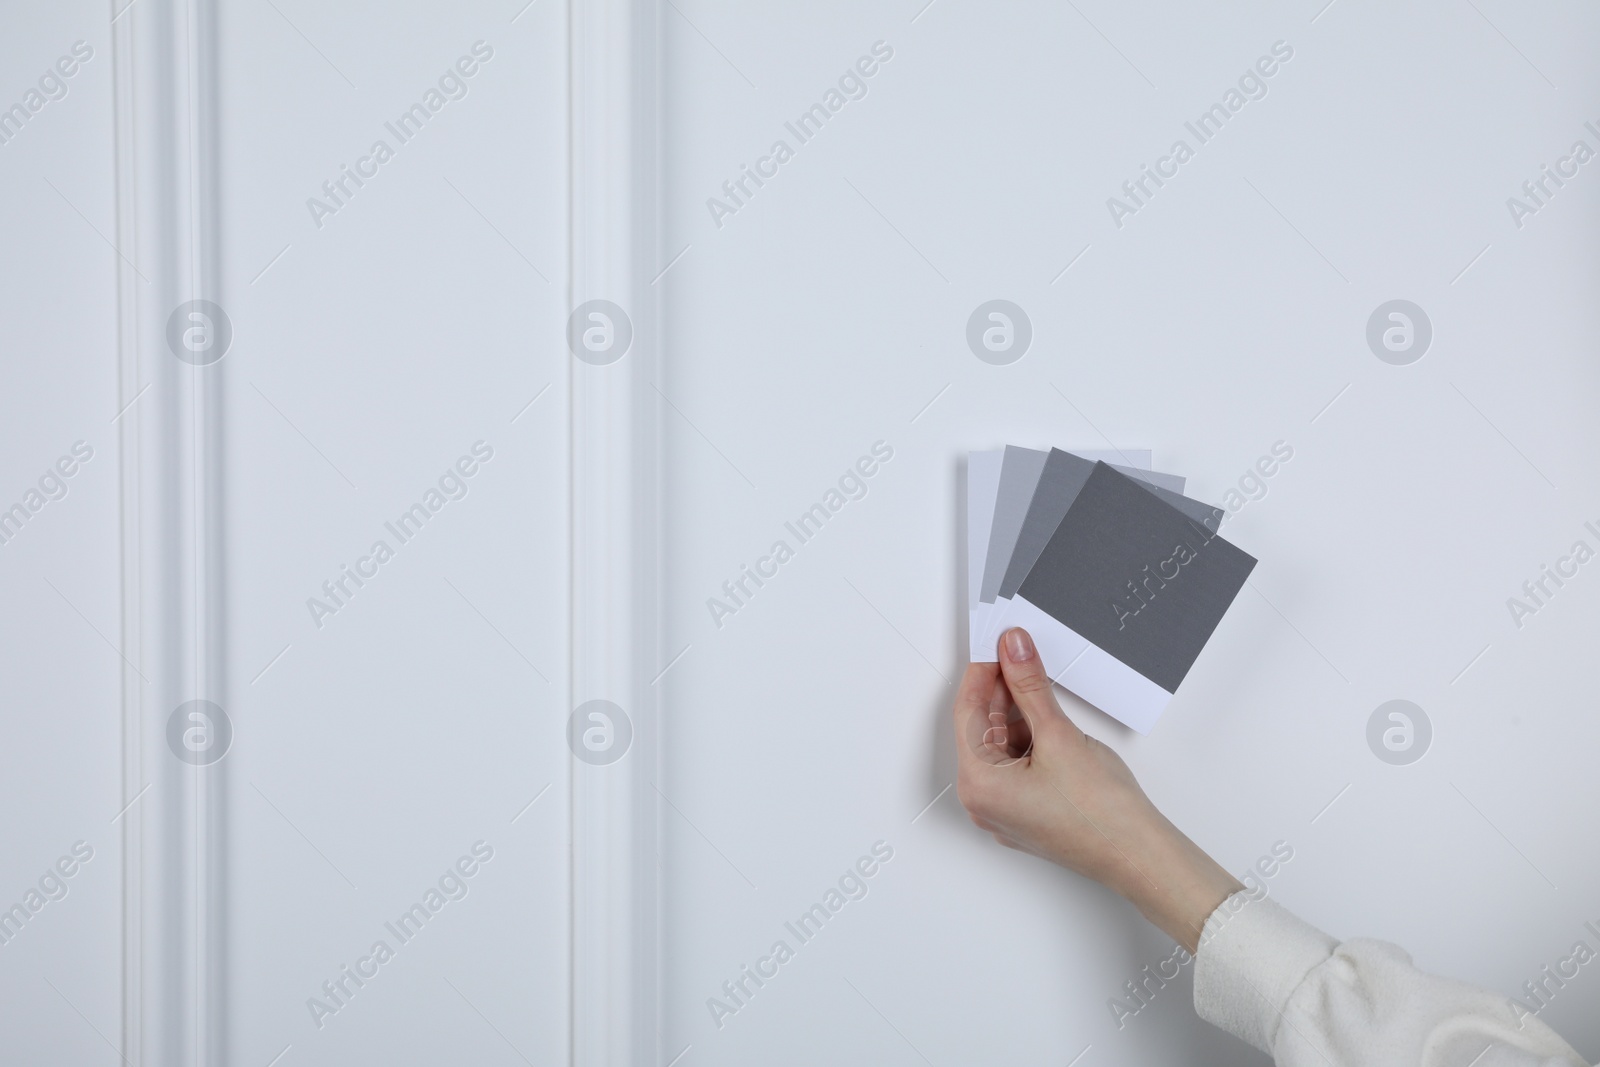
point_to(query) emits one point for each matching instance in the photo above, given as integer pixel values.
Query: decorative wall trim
(616, 451)
(174, 982)
(171, 448)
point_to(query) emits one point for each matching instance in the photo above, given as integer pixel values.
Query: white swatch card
(983, 482)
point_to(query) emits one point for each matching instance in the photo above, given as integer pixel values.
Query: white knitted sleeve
(1307, 1000)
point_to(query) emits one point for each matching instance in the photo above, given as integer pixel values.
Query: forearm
(1041, 785)
(1174, 883)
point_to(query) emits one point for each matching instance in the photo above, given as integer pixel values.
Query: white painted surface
(825, 316)
(59, 574)
(828, 312)
(370, 354)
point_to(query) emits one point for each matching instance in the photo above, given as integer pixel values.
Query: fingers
(1008, 728)
(1029, 685)
(973, 702)
(999, 710)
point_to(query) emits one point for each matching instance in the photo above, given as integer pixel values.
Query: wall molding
(170, 447)
(615, 455)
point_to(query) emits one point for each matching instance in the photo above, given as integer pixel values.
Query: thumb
(1029, 685)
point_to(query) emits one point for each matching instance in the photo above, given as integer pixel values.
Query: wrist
(1178, 885)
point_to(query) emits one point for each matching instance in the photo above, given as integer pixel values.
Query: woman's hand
(1039, 784)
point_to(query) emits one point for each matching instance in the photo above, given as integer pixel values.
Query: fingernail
(1019, 646)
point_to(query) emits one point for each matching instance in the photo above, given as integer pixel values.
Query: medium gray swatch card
(1136, 577)
(1172, 483)
(1205, 514)
(1060, 482)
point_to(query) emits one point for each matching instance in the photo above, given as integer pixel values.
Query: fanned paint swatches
(1119, 578)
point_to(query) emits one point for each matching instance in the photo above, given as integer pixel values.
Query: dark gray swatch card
(1136, 576)
(1060, 482)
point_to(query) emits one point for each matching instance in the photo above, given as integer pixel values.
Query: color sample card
(1020, 470)
(1136, 577)
(1051, 479)
(1061, 480)
(983, 485)
(1120, 582)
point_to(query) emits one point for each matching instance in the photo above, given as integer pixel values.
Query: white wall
(428, 712)
(59, 632)
(826, 314)
(374, 750)
(1219, 319)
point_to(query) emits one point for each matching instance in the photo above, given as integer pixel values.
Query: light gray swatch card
(1136, 458)
(1019, 476)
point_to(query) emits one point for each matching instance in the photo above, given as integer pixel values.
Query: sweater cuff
(1253, 955)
